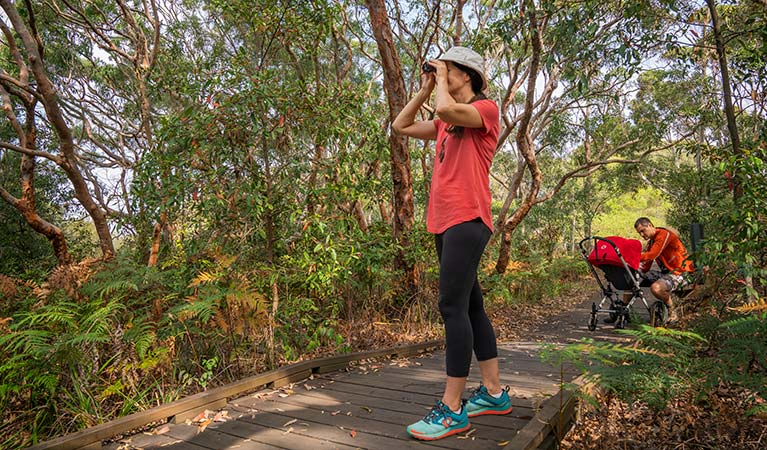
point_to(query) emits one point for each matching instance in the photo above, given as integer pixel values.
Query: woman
(458, 215)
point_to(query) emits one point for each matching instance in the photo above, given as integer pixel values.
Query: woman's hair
(476, 78)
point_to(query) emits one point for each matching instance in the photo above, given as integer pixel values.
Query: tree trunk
(396, 95)
(729, 110)
(154, 253)
(27, 207)
(525, 145)
(27, 204)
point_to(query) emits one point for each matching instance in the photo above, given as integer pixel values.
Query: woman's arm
(405, 123)
(450, 111)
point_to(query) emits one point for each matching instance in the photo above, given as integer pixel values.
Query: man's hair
(643, 221)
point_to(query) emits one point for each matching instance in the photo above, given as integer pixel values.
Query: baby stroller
(618, 260)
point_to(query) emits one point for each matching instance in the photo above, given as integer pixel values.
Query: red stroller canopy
(604, 253)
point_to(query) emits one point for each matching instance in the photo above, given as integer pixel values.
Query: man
(664, 247)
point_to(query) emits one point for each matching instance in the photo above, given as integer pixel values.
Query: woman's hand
(441, 69)
(428, 81)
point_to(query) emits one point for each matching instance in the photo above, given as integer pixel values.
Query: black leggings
(460, 298)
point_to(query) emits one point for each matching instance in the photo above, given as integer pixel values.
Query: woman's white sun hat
(469, 58)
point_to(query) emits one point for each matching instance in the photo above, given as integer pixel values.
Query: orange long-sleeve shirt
(666, 247)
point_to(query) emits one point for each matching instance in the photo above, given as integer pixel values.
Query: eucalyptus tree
(565, 59)
(99, 58)
(112, 95)
(30, 92)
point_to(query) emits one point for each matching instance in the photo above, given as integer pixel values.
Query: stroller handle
(597, 238)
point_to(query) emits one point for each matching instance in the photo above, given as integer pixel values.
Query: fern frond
(203, 278)
(142, 335)
(114, 286)
(756, 306)
(202, 308)
(63, 313)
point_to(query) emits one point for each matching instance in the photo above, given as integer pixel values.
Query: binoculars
(426, 67)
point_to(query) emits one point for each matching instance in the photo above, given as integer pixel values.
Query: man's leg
(660, 289)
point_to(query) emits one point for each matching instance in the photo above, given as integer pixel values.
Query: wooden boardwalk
(365, 407)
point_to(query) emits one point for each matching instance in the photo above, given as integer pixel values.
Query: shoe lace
(437, 413)
(477, 391)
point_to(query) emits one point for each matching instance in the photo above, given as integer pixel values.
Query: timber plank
(524, 360)
(243, 435)
(515, 366)
(358, 403)
(398, 413)
(330, 433)
(432, 382)
(544, 383)
(361, 431)
(168, 443)
(213, 439)
(107, 430)
(158, 441)
(398, 395)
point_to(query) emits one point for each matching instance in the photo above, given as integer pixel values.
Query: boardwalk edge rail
(214, 398)
(553, 420)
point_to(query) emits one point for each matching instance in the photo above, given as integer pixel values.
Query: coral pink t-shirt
(460, 181)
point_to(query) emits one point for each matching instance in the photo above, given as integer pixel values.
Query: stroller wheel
(593, 321)
(658, 314)
(620, 322)
(593, 317)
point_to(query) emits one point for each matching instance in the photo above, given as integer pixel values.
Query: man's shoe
(440, 422)
(481, 403)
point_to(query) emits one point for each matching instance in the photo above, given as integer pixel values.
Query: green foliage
(743, 353)
(535, 280)
(663, 364)
(622, 211)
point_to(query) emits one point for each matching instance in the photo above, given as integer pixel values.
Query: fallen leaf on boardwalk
(335, 413)
(290, 422)
(161, 430)
(468, 434)
(288, 430)
(308, 388)
(349, 413)
(283, 395)
(503, 443)
(367, 409)
(200, 417)
(204, 425)
(221, 416)
(353, 433)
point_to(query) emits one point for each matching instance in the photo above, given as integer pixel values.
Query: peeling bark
(396, 96)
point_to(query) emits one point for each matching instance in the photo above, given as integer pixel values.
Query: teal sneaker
(439, 423)
(481, 403)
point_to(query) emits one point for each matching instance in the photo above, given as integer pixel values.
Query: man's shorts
(672, 282)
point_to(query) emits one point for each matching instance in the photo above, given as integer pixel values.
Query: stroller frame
(617, 310)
